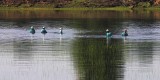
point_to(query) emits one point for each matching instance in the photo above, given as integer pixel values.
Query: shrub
(144, 4)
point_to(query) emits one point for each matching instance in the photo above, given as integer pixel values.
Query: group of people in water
(109, 34)
(43, 30)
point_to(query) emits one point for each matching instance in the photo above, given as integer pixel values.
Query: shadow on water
(97, 60)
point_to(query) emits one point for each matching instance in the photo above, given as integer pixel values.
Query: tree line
(85, 3)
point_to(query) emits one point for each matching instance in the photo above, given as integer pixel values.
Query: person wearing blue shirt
(43, 31)
(108, 33)
(32, 30)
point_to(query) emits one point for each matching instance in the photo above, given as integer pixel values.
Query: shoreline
(118, 8)
(50, 8)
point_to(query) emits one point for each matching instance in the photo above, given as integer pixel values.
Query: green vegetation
(144, 4)
(77, 4)
(117, 8)
(109, 8)
(49, 7)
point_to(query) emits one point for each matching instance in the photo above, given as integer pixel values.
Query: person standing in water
(125, 33)
(43, 31)
(108, 33)
(32, 30)
(61, 30)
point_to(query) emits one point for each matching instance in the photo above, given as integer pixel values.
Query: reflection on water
(96, 61)
(50, 14)
(28, 57)
(142, 60)
(82, 52)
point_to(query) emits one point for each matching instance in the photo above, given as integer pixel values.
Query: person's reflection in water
(108, 40)
(60, 39)
(61, 35)
(43, 38)
(124, 39)
(31, 38)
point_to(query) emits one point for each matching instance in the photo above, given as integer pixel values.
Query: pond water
(82, 52)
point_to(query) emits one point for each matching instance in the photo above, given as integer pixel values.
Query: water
(82, 52)
(29, 57)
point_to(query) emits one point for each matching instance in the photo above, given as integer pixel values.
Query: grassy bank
(31, 8)
(108, 8)
(120, 8)
(153, 8)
